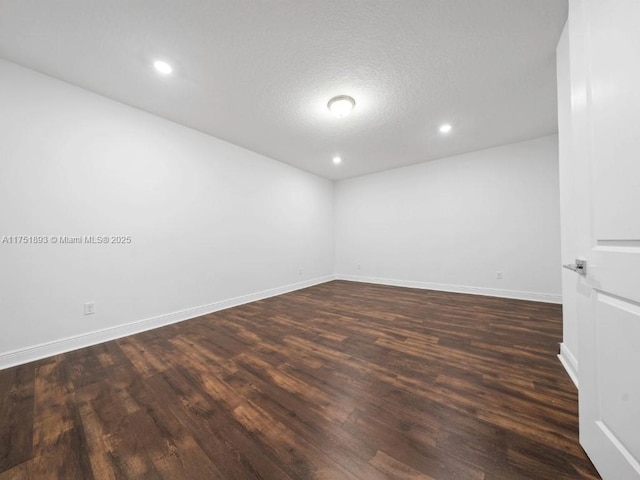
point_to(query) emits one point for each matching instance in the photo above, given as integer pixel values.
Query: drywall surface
(202, 224)
(457, 223)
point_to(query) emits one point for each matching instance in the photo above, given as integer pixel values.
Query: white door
(604, 46)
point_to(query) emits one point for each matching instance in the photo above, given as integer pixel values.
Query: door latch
(579, 267)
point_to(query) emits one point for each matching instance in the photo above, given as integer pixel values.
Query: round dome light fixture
(341, 105)
(337, 160)
(162, 67)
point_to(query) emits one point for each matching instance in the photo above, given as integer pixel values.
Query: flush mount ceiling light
(162, 67)
(341, 105)
(446, 128)
(337, 160)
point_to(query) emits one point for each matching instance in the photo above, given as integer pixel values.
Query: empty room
(319, 240)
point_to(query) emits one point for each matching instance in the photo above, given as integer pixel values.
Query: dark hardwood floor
(338, 381)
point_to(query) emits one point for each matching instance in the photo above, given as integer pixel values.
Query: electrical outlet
(499, 275)
(358, 267)
(89, 308)
(300, 270)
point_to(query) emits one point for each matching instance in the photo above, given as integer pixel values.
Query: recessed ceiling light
(337, 160)
(341, 105)
(162, 67)
(446, 128)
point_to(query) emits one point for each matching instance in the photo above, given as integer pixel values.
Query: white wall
(209, 221)
(454, 223)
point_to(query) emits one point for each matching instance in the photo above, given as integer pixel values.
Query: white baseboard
(37, 352)
(569, 362)
(443, 287)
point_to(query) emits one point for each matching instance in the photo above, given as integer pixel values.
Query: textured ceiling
(259, 73)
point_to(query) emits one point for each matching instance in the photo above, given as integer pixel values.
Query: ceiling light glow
(337, 160)
(162, 67)
(341, 105)
(446, 128)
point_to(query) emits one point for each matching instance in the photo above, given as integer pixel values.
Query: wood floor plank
(338, 381)
(109, 423)
(16, 412)
(396, 469)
